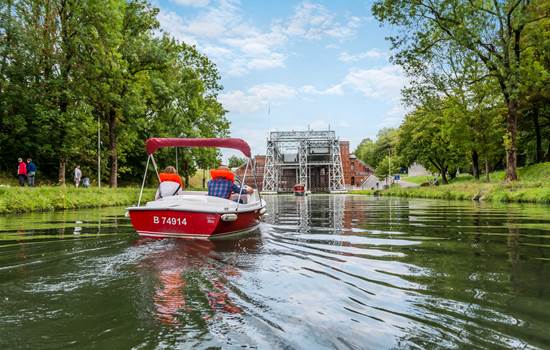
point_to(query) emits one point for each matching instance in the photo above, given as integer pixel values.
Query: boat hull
(161, 223)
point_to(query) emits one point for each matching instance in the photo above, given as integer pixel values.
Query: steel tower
(306, 152)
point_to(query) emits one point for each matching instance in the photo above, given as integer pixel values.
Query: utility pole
(389, 165)
(98, 152)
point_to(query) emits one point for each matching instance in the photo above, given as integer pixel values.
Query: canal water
(340, 271)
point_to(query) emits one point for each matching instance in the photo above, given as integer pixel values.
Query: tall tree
(492, 31)
(423, 138)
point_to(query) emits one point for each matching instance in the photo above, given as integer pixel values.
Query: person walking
(22, 172)
(31, 172)
(77, 176)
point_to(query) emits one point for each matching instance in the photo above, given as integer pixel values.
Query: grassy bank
(533, 187)
(25, 199)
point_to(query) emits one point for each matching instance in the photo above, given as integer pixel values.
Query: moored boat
(299, 190)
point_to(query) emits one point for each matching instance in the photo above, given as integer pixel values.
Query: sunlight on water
(322, 271)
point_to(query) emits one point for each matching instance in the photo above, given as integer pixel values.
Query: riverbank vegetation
(46, 198)
(533, 187)
(479, 93)
(78, 75)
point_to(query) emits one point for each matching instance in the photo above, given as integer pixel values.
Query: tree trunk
(487, 169)
(186, 172)
(203, 178)
(113, 149)
(538, 152)
(62, 168)
(511, 130)
(547, 157)
(444, 176)
(475, 164)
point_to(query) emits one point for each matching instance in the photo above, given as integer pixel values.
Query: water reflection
(192, 276)
(322, 271)
(428, 273)
(305, 213)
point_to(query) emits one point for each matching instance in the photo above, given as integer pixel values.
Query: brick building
(355, 170)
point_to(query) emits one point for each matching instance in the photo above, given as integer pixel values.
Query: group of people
(26, 172)
(222, 184)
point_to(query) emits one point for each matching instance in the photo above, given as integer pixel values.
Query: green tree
(535, 95)
(492, 31)
(388, 166)
(235, 162)
(424, 139)
(68, 67)
(44, 110)
(371, 152)
(475, 128)
(366, 151)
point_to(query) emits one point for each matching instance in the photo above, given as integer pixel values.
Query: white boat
(195, 214)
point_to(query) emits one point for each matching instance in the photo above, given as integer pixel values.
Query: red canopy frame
(153, 144)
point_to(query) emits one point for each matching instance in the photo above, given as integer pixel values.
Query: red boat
(194, 214)
(299, 190)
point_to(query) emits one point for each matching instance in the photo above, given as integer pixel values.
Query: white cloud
(216, 21)
(256, 43)
(373, 53)
(239, 47)
(380, 83)
(217, 52)
(171, 23)
(273, 60)
(194, 3)
(221, 32)
(334, 90)
(256, 98)
(314, 21)
(394, 116)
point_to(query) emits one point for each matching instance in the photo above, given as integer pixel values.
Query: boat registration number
(167, 220)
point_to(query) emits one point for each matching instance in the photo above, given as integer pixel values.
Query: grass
(533, 187)
(15, 199)
(417, 179)
(44, 198)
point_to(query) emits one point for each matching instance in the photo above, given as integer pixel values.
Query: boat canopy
(153, 144)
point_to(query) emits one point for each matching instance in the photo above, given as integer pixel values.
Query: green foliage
(366, 151)
(495, 37)
(420, 179)
(424, 138)
(533, 187)
(235, 162)
(372, 152)
(69, 67)
(388, 166)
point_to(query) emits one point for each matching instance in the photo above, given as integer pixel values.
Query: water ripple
(322, 271)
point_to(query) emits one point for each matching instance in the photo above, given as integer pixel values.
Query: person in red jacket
(22, 172)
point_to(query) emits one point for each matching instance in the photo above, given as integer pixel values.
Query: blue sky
(312, 63)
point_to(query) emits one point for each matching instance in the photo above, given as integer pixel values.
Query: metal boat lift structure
(303, 151)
